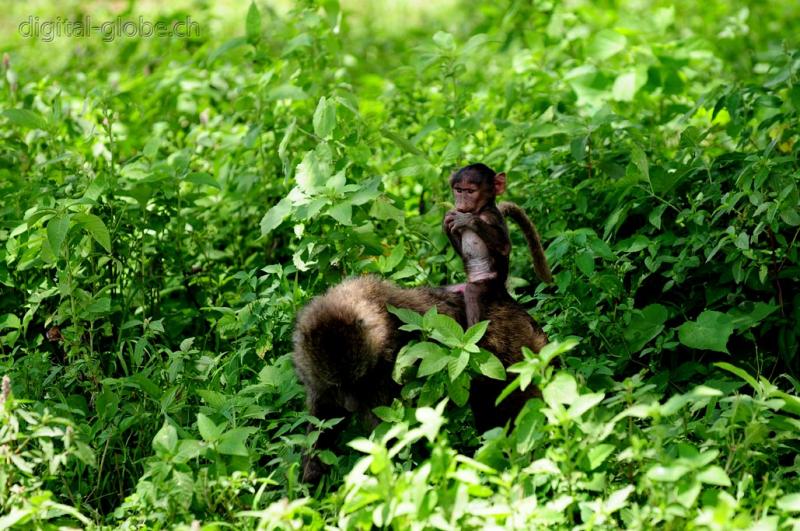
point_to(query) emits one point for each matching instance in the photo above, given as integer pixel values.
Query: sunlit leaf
(606, 43)
(253, 24)
(324, 117)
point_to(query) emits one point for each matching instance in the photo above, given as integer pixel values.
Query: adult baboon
(345, 344)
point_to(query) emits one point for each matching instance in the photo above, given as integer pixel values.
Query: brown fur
(345, 343)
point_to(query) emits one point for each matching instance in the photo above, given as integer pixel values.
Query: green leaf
(431, 420)
(456, 365)
(225, 47)
(57, 229)
(444, 40)
(96, 228)
(15, 516)
(402, 142)
(233, 441)
(585, 262)
(9, 320)
(362, 445)
(742, 241)
(489, 365)
(584, 403)
(545, 130)
(367, 191)
(452, 151)
(287, 91)
(556, 348)
(202, 178)
(601, 248)
(790, 215)
(188, 450)
(616, 500)
(639, 160)
(606, 43)
(475, 332)
(433, 361)
(714, 475)
(336, 184)
(413, 166)
(663, 473)
(382, 209)
(750, 314)
(166, 440)
(563, 389)
(341, 212)
(253, 24)
(406, 315)
(710, 332)
(209, 431)
(645, 325)
(741, 373)
(578, 147)
(597, 454)
(99, 306)
(686, 491)
(324, 117)
(315, 169)
(458, 389)
(275, 216)
(25, 118)
(628, 84)
(789, 503)
(444, 329)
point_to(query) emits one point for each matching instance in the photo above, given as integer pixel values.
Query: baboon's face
(471, 196)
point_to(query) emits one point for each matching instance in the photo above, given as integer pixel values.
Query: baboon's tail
(342, 334)
(513, 211)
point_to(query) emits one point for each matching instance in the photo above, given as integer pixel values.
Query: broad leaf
(25, 118)
(96, 228)
(253, 24)
(209, 431)
(645, 325)
(275, 216)
(232, 442)
(166, 440)
(606, 43)
(561, 390)
(434, 360)
(710, 332)
(324, 117)
(57, 229)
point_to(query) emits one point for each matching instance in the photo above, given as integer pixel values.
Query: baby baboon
(478, 232)
(345, 344)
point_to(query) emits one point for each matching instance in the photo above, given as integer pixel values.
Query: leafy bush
(169, 203)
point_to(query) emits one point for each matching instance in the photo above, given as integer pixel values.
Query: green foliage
(443, 363)
(169, 203)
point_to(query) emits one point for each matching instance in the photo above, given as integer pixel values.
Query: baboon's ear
(499, 183)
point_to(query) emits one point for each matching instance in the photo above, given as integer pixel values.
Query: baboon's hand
(449, 219)
(461, 220)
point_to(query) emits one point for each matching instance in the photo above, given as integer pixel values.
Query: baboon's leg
(324, 405)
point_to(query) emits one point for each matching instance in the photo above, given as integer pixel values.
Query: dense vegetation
(168, 204)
